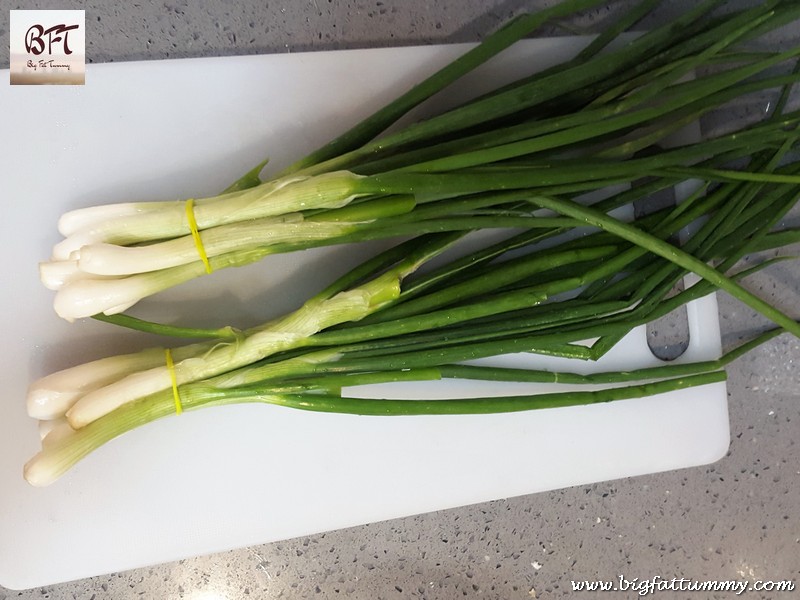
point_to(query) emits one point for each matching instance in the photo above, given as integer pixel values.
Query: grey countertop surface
(737, 519)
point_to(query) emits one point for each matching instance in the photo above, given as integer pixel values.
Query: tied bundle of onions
(516, 159)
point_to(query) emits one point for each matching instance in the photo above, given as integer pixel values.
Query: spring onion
(628, 98)
(567, 279)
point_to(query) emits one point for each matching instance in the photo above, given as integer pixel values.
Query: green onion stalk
(568, 279)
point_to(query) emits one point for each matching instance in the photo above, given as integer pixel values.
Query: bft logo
(35, 38)
(48, 47)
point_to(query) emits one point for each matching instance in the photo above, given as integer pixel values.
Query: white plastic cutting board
(235, 476)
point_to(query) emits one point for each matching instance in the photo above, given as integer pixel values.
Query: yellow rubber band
(196, 234)
(171, 368)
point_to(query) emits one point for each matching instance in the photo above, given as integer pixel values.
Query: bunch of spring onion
(562, 131)
(514, 159)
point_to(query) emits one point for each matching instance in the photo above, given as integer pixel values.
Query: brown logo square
(48, 47)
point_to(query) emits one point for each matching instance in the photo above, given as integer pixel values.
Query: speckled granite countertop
(735, 520)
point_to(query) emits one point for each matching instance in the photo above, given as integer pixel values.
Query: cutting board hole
(668, 337)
